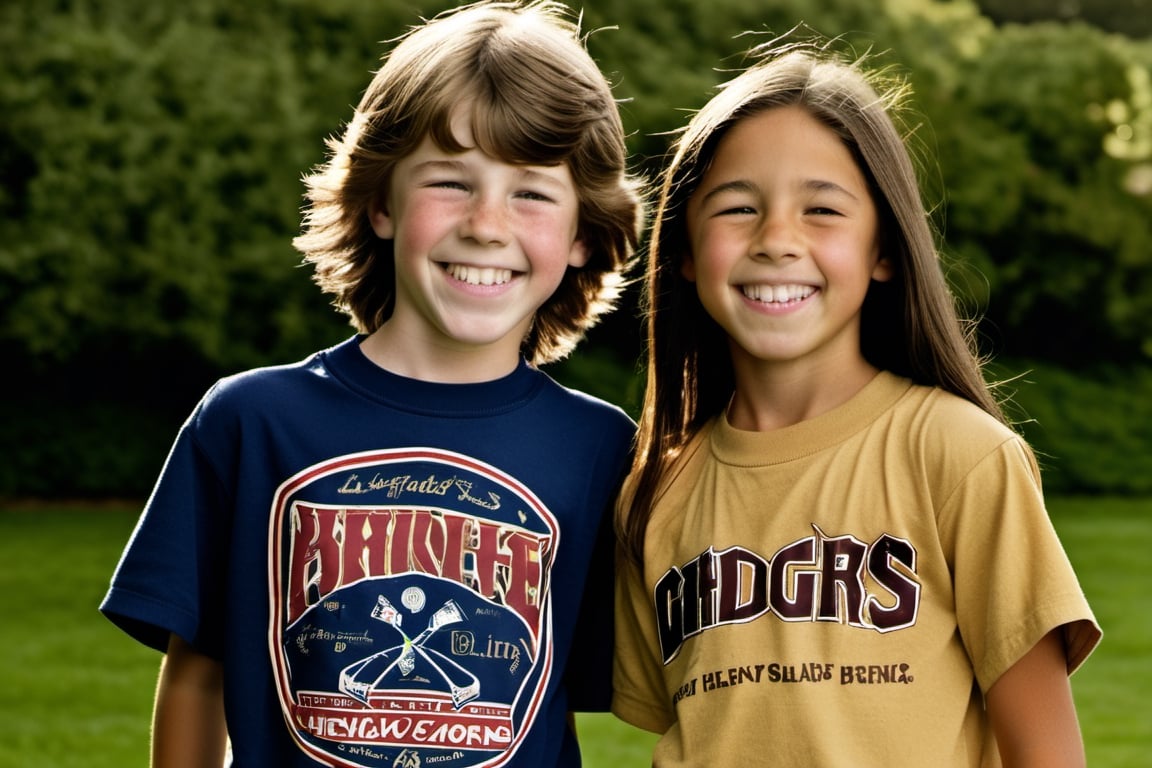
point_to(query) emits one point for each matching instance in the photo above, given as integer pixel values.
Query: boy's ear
(381, 221)
(578, 254)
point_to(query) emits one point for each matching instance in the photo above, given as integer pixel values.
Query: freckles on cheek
(419, 232)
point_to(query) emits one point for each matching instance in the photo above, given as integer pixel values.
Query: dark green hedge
(1090, 429)
(151, 155)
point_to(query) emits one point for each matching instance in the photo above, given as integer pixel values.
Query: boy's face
(480, 245)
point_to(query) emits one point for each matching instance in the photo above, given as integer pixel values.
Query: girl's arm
(188, 728)
(1031, 710)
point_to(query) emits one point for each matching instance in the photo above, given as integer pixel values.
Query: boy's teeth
(777, 294)
(479, 276)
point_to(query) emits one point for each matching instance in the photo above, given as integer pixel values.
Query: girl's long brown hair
(910, 325)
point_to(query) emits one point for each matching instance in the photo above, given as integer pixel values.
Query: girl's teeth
(777, 294)
(479, 276)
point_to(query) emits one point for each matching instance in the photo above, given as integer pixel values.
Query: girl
(836, 549)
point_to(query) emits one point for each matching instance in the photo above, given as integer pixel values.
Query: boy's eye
(447, 184)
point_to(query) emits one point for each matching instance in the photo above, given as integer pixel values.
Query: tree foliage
(1127, 17)
(151, 163)
(1040, 194)
(151, 155)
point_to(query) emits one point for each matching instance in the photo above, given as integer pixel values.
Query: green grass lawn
(76, 693)
(1109, 542)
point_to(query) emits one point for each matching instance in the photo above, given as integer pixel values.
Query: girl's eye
(448, 184)
(737, 210)
(819, 210)
(529, 194)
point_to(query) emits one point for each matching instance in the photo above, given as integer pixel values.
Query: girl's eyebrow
(820, 185)
(736, 185)
(810, 185)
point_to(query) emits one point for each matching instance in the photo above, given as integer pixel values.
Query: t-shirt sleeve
(1013, 580)
(169, 579)
(638, 695)
(588, 677)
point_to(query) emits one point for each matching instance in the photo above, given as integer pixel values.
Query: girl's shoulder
(688, 458)
(948, 430)
(935, 411)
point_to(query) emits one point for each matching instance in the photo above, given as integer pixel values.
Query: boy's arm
(188, 729)
(1032, 712)
(589, 674)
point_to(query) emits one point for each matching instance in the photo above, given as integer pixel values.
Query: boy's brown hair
(536, 97)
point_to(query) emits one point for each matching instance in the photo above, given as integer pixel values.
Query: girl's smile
(777, 296)
(783, 241)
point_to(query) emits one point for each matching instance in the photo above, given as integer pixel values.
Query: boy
(376, 557)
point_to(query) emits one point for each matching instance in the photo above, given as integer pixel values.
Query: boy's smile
(479, 276)
(480, 245)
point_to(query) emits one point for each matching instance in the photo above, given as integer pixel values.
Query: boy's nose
(486, 222)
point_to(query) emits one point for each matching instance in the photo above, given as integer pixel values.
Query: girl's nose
(775, 239)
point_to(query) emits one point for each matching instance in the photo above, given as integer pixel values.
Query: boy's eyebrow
(532, 174)
(439, 165)
(459, 166)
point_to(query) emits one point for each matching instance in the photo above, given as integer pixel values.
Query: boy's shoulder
(590, 406)
(264, 390)
(276, 387)
(265, 382)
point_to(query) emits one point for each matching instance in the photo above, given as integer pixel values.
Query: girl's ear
(688, 267)
(381, 221)
(883, 270)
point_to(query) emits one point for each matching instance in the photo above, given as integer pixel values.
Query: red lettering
(482, 549)
(426, 546)
(524, 571)
(365, 543)
(331, 547)
(456, 528)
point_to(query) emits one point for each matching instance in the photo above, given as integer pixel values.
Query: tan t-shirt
(839, 592)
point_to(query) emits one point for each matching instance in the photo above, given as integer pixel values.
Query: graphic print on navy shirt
(410, 609)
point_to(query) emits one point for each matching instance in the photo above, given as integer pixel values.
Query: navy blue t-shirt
(391, 571)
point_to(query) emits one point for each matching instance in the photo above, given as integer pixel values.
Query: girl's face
(783, 243)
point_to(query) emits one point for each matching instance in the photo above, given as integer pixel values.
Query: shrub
(1089, 428)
